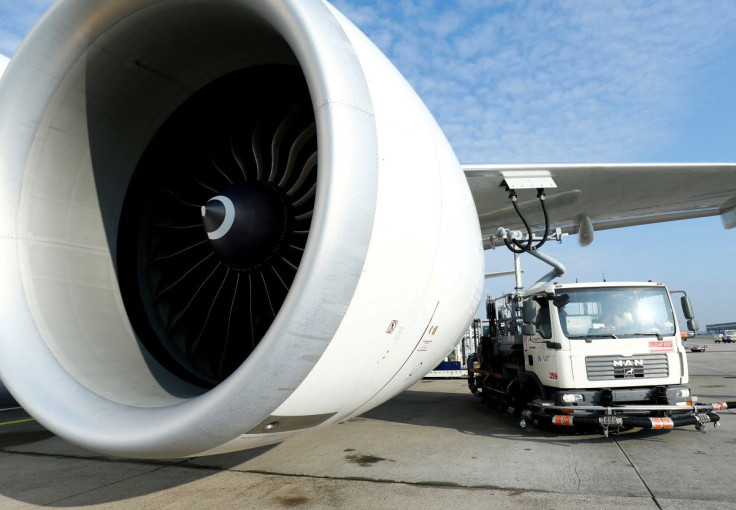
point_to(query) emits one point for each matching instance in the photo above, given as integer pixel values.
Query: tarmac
(434, 446)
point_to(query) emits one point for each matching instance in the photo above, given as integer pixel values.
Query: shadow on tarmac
(62, 480)
(467, 414)
(38, 468)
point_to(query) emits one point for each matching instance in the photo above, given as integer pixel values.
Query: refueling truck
(595, 356)
(603, 356)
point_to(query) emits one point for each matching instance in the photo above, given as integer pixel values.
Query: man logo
(618, 363)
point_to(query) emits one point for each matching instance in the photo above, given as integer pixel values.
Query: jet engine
(221, 222)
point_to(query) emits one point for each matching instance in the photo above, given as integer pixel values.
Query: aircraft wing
(610, 195)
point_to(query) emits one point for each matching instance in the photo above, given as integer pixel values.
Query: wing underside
(611, 196)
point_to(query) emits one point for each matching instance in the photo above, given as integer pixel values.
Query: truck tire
(533, 388)
(472, 381)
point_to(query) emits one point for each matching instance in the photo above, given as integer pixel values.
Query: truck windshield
(617, 312)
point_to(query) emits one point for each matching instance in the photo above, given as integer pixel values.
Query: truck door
(540, 354)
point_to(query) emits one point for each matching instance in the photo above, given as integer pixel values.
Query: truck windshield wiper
(588, 338)
(653, 333)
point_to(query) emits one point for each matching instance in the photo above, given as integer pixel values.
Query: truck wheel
(472, 381)
(514, 398)
(533, 389)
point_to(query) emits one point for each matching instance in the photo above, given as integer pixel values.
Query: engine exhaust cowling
(222, 222)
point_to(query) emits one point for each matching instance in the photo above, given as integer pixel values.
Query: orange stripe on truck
(565, 421)
(662, 423)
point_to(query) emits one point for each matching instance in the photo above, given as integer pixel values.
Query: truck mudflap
(615, 418)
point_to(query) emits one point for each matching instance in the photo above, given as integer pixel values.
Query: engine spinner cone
(246, 224)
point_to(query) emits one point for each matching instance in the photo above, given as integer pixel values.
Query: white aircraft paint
(4, 61)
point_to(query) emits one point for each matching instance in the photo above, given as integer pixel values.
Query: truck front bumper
(617, 417)
(615, 421)
(658, 395)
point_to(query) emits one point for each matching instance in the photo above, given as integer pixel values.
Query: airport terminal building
(714, 329)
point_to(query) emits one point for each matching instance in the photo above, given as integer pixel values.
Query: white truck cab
(604, 343)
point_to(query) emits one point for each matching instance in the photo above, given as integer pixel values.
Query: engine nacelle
(221, 222)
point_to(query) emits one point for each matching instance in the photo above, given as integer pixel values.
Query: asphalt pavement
(434, 446)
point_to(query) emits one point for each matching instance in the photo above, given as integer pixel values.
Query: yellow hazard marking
(16, 422)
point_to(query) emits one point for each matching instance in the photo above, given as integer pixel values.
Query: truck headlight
(683, 393)
(569, 398)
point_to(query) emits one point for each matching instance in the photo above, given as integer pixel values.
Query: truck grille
(641, 366)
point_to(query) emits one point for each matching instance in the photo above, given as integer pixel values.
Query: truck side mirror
(687, 307)
(561, 300)
(529, 312)
(692, 325)
(529, 329)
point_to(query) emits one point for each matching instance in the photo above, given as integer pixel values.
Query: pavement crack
(631, 463)
(424, 483)
(110, 484)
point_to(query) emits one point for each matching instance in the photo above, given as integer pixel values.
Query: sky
(574, 81)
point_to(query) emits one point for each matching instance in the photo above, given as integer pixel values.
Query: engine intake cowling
(222, 222)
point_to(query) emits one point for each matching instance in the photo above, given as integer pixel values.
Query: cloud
(16, 19)
(550, 81)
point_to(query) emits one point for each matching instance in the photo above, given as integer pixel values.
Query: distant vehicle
(729, 335)
(718, 338)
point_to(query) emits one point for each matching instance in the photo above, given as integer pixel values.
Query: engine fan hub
(246, 224)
